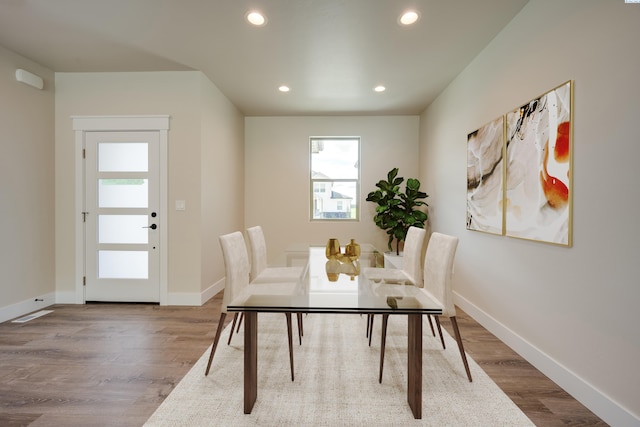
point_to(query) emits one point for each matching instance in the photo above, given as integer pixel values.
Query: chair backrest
(236, 266)
(258, 248)
(438, 270)
(412, 258)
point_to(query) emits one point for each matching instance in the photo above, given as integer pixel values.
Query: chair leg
(300, 327)
(440, 331)
(370, 326)
(240, 322)
(431, 325)
(233, 325)
(367, 333)
(216, 338)
(454, 324)
(289, 327)
(383, 343)
(368, 322)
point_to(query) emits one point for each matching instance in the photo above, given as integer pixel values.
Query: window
(335, 178)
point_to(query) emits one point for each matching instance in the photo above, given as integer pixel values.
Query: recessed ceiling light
(409, 17)
(256, 18)
(284, 88)
(380, 88)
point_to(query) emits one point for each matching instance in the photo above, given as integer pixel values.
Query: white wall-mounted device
(23, 76)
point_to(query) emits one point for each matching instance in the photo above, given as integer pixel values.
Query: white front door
(121, 216)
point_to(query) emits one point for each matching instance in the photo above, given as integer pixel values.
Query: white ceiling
(330, 52)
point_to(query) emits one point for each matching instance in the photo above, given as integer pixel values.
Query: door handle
(152, 226)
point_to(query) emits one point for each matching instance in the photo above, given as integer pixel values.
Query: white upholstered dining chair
(236, 266)
(411, 270)
(411, 265)
(261, 272)
(438, 272)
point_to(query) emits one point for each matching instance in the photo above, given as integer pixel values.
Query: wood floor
(114, 364)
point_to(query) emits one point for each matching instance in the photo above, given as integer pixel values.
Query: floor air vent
(31, 316)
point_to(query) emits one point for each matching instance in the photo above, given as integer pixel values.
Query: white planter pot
(391, 260)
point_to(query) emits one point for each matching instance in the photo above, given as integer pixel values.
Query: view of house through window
(335, 178)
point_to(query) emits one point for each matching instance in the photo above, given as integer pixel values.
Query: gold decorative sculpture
(338, 262)
(333, 248)
(352, 250)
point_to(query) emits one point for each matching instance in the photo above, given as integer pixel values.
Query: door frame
(82, 124)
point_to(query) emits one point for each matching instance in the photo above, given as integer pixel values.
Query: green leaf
(392, 174)
(413, 184)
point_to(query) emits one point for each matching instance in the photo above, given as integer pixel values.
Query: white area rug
(336, 381)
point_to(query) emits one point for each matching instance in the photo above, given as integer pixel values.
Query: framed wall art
(538, 176)
(485, 170)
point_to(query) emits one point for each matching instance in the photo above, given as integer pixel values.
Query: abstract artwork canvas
(538, 187)
(485, 172)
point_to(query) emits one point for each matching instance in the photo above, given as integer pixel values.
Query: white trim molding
(82, 124)
(27, 306)
(194, 298)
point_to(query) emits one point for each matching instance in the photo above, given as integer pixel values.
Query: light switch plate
(180, 205)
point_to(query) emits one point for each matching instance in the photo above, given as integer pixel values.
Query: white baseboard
(66, 297)
(30, 305)
(212, 290)
(27, 306)
(197, 299)
(183, 298)
(601, 405)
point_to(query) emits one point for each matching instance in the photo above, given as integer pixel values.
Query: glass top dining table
(337, 285)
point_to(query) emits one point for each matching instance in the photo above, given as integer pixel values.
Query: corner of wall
(194, 298)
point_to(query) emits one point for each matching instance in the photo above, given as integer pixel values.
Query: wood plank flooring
(545, 403)
(114, 364)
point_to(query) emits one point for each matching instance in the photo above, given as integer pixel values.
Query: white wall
(277, 189)
(571, 311)
(26, 189)
(202, 120)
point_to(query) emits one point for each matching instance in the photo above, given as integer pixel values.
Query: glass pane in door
(125, 229)
(123, 193)
(119, 157)
(123, 264)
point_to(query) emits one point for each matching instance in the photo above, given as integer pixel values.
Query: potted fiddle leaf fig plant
(398, 210)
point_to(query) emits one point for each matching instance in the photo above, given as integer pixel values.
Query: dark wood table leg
(250, 360)
(414, 378)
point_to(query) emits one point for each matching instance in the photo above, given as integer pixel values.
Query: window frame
(330, 181)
